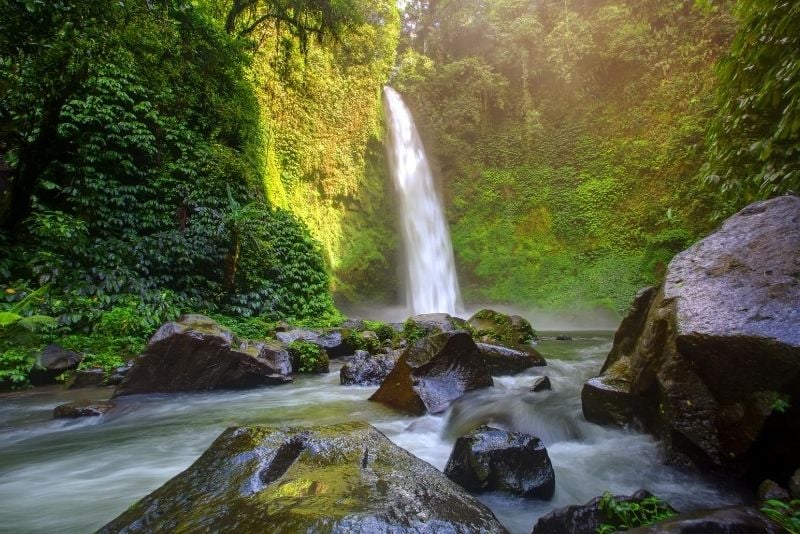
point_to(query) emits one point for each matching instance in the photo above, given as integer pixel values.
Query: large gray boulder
(710, 362)
(196, 353)
(428, 324)
(366, 369)
(496, 327)
(433, 372)
(52, 363)
(346, 478)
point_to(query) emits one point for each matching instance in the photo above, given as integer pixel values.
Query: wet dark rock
(52, 363)
(495, 327)
(334, 342)
(733, 520)
(72, 410)
(794, 485)
(367, 370)
(564, 338)
(710, 362)
(429, 324)
(196, 353)
(353, 324)
(489, 459)
(769, 489)
(119, 374)
(87, 378)
(541, 383)
(433, 372)
(583, 518)
(509, 360)
(345, 478)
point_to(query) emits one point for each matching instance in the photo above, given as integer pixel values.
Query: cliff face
(323, 131)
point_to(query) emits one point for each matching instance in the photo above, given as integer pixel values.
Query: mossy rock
(308, 357)
(429, 324)
(341, 478)
(493, 326)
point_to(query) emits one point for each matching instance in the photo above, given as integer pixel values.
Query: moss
(384, 331)
(308, 358)
(502, 328)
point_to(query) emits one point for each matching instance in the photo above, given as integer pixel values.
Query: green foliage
(384, 331)
(627, 515)
(755, 138)
(256, 328)
(782, 403)
(413, 331)
(786, 514)
(569, 138)
(308, 358)
(22, 334)
(15, 364)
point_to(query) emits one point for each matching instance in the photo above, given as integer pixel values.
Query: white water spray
(431, 278)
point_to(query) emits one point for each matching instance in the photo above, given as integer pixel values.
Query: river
(76, 475)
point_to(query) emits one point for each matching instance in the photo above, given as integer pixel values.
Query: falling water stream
(73, 476)
(432, 286)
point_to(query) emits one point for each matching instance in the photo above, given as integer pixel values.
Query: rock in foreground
(733, 520)
(490, 459)
(586, 518)
(433, 372)
(196, 353)
(710, 362)
(346, 478)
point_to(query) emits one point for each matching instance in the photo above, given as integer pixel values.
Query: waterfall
(432, 286)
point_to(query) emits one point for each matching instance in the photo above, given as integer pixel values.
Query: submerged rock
(586, 518)
(710, 362)
(367, 370)
(732, 520)
(496, 327)
(119, 374)
(541, 383)
(490, 459)
(77, 409)
(196, 353)
(509, 360)
(344, 478)
(53, 362)
(433, 372)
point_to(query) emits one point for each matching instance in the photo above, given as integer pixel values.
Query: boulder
(119, 374)
(563, 337)
(769, 489)
(489, 459)
(428, 324)
(88, 378)
(433, 372)
(509, 360)
(586, 518)
(367, 370)
(72, 410)
(541, 383)
(794, 485)
(732, 520)
(334, 343)
(344, 478)
(196, 353)
(53, 362)
(496, 327)
(710, 362)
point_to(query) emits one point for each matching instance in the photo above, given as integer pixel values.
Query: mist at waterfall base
(431, 283)
(76, 475)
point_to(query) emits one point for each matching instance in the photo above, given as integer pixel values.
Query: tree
(755, 138)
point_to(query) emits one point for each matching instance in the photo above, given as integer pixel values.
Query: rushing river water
(76, 475)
